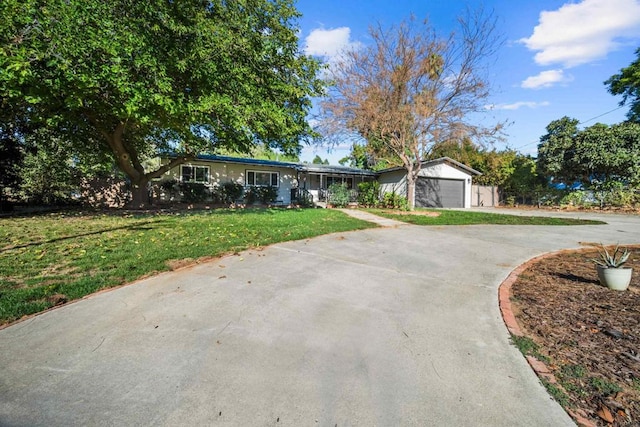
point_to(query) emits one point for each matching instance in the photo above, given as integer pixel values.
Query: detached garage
(441, 183)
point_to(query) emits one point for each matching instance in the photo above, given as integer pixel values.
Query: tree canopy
(136, 79)
(627, 84)
(599, 153)
(555, 148)
(411, 88)
(496, 166)
(317, 160)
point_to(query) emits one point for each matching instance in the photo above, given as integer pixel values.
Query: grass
(557, 393)
(454, 217)
(528, 347)
(70, 255)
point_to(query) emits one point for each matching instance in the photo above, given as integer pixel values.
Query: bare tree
(411, 88)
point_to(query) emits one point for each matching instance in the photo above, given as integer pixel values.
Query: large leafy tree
(556, 148)
(599, 153)
(627, 84)
(135, 78)
(11, 157)
(412, 88)
(609, 153)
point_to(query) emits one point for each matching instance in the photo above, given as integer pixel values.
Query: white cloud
(546, 79)
(329, 43)
(582, 32)
(518, 105)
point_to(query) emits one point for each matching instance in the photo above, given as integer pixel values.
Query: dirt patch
(588, 335)
(177, 264)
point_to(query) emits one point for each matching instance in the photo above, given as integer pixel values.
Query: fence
(484, 195)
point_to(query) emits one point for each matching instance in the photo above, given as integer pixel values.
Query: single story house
(442, 182)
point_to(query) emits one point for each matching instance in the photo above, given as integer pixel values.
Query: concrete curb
(539, 367)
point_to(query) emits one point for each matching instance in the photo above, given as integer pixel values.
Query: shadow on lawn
(152, 214)
(140, 226)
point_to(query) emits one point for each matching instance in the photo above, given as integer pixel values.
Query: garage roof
(450, 161)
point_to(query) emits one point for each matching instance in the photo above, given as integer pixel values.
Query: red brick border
(539, 367)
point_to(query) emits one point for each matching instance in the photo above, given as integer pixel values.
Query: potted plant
(610, 270)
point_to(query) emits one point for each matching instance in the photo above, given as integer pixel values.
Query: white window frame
(250, 178)
(195, 173)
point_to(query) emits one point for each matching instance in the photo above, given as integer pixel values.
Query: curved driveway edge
(386, 326)
(538, 366)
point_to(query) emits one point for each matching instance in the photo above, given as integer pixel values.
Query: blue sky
(555, 59)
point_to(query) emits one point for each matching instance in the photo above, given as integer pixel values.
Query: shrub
(575, 198)
(369, 194)
(228, 192)
(264, 195)
(194, 192)
(339, 195)
(394, 201)
(169, 189)
(168, 185)
(304, 198)
(620, 197)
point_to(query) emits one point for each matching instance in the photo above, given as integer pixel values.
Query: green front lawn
(448, 217)
(50, 257)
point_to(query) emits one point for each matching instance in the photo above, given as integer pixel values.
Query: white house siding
(221, 172)
(393, 182)
(396, 180)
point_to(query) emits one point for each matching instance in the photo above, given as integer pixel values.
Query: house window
(195, 174)
(263, 179)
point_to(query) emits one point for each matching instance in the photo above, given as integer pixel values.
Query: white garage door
(439, 193)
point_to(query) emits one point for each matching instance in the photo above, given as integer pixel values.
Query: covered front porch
(315, 180)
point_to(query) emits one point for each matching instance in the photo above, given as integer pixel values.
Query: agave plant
(615, 260)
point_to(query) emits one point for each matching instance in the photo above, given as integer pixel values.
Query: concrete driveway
(388, 326)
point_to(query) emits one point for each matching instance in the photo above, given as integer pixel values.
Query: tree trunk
(411, 190)
(139, 195)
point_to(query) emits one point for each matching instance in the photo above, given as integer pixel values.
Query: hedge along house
(441, 183)
(293, 181)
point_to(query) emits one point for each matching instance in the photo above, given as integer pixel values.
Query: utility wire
(603, 114)
(581, 123)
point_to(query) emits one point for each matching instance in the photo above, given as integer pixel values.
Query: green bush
(369, 194)
(228, 192)
(168, 185)
(575, 198)
(264, 195)
(194, 192)
(339, 195)
(621, 197)
(394, 201)
(170, 188)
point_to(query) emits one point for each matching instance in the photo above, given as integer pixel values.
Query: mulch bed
(588, 335)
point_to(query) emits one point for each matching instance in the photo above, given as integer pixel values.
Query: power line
(603, 114)
(581, 123)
